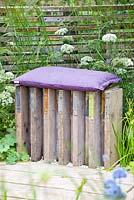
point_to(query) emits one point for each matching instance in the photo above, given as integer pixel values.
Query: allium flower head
(6, 76)
(121, 71)
(86, 60)
(9, 75)
(109, 37)
(119, 173)
(126, 62)
(67, 48)
(6, 98)
(61, 31)
(10, 88)
(68, 38)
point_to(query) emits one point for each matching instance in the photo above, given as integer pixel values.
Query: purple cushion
(67, 79)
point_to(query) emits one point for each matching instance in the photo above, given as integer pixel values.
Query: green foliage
(3, 189)
(27, 43)
(130, 167)
(45, 176)
(7, 121)
(125, 139)
(8, 151)
(6, 142)
(80, 188)
(12, 156)
(24, 156)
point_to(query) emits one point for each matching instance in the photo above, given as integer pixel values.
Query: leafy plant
(8, 151)
(130, 167)
(80, 188)
(7, 121)
(125, 139)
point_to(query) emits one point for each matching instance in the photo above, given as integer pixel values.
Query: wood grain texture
(78, 128)
(113, 117)
(64, 126)
(36, 123)
(24, 178)
(22, 118)
(49, 127)
(93, 130)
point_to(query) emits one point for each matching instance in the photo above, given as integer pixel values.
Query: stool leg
(22, 118)
(50, 129)
(113, 116)
(64, 126)
(78, 128)
(36, 123)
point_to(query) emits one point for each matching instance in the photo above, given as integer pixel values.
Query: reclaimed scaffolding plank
(22, 118)
(112, 120)
(78, 128)
(36, 123)
(49, 127)
(93, 131)
(64, 126)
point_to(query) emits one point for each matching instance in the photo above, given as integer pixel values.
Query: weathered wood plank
(64, 126)
(93, 136)
(36, 123)
(22, 118)
(50, 129)
(56, 181)
(78, 128)
(113, 117)
(59, 170)
(62, 184)
(79, 8)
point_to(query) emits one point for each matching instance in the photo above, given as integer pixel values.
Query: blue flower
(123, 195)
(114, 192)
(119, 173)
(109, 183)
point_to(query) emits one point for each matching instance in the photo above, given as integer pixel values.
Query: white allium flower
(10, 88)
(68, 38)
(67, 48)
(126, 62)
(86, 60)
(109, 37)
(9, 75)
(11, 43)
(61, 31)
(121, 71)
(6, 76)
(6, 98)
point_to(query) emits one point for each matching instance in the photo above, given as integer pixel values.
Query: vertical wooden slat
(36, 123)
(93, 130)
(50, 129)
(113, 115)
(22, 118)
(86, 127)
(64, 127)
(78, 128)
